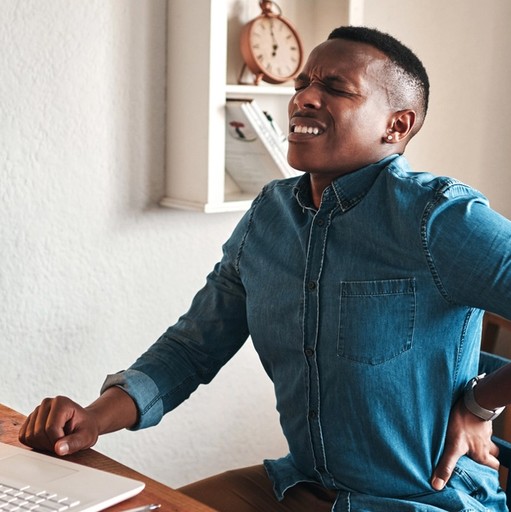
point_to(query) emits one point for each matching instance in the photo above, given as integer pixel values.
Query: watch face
(275, 48)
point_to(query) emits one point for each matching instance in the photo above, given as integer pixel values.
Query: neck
(319, 181)
(318, 186)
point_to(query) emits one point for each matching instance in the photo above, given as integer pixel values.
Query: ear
(400, 126)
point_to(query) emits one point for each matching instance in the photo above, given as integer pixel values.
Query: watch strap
(472, 405)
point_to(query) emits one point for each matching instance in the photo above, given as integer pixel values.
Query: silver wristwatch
(473, 406)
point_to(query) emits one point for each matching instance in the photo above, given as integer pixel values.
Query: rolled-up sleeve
(144, 392)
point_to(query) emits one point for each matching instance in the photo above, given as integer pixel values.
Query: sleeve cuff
(144, 392)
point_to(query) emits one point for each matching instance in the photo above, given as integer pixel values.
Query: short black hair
(409, 66)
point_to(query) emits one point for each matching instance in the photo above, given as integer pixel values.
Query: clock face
(275, 48)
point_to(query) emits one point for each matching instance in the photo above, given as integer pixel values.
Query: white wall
(465, 46)
(92, 270)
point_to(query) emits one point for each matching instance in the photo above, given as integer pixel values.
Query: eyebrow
(327, 80)
(302, 77)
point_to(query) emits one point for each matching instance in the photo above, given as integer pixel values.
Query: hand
(466, 435)
(60, 425)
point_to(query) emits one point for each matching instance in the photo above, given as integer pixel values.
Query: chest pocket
(376, 319)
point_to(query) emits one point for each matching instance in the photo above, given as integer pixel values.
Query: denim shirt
(366, 315)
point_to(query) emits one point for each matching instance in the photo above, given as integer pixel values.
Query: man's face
(342, 106)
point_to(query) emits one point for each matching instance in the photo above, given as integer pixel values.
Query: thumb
(444, 469)
(72, 443)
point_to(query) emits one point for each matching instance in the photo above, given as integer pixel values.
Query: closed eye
(340, 92)
(332, 85)
(330, 90)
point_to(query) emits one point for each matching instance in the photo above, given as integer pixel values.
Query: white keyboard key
(30, 499)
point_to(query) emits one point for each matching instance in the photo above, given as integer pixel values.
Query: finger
(23, 434)
(494, 449)
(486, 458)
(61, 411)
(28, 426)
(445, 467)
(42, 437)
(44, 425)
(484, 451)
(31, 434)
(24, 429)
(493, 462)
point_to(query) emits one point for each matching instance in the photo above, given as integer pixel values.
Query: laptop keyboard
(29, 498)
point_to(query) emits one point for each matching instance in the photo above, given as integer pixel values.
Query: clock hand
(275, 45)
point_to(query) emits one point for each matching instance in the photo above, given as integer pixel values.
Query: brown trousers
(250, 490)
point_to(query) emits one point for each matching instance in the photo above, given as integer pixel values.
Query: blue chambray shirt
(366, 315)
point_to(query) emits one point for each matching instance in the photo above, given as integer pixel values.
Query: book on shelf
(255, 146)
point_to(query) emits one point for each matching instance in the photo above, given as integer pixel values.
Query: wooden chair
(488, 363)
(493, 327)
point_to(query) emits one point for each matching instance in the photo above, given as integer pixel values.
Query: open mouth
(311, 130)
(306, 126)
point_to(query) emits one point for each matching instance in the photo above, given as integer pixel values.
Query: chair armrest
(490, 362)
(504, 451)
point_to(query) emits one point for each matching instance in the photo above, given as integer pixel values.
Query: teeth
(306, 129)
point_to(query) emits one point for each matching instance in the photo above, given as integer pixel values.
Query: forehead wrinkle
(328, 77)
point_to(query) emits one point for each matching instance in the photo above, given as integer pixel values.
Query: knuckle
(60, 401)
(448, 469)
(444, 473)
(44, 405)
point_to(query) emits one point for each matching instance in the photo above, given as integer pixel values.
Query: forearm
(113, 410)
(495, 389)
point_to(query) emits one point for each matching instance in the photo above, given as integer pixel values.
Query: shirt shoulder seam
(243, 240)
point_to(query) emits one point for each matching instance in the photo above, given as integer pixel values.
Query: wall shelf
(203, 64)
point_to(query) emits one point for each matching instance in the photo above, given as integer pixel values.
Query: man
(362, 285)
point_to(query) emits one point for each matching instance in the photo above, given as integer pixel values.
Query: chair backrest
(505, 460)
(493, 325)
(487, 364)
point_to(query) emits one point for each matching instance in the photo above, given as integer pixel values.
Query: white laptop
(34, 482)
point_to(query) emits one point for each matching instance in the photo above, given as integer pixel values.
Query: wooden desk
(154, 492)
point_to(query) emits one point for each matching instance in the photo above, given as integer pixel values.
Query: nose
(308, 97)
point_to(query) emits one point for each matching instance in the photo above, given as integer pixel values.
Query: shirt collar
(347, 190)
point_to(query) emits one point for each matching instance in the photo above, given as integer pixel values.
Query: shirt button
(312, 415)
(312, 285)
(320, 222)
(309, 352)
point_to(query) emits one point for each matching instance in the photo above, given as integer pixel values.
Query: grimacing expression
(340, 110)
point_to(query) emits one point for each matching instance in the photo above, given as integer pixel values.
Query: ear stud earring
(389, 137)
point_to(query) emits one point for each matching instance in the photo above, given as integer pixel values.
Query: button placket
(315, 256)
